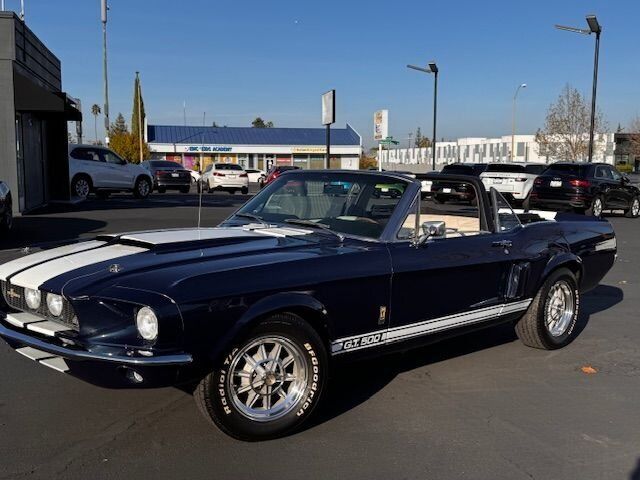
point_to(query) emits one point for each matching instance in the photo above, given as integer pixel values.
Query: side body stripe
(405, 332)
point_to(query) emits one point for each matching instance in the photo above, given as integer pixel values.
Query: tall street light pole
(594, 27)
(103, 9)
(432, 68)
(513, 120)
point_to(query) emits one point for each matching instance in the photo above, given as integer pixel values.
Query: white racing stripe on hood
(9, 268)
(186, 235)
(34, 277)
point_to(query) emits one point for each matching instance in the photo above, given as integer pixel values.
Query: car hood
(159, 260)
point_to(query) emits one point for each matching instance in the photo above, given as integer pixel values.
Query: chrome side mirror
(436, 229)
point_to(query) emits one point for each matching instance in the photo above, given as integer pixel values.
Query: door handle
(502, 244)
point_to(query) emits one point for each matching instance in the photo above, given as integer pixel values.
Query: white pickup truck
(513, 180)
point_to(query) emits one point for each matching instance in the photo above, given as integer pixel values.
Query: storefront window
(316, 162)
(301, 161)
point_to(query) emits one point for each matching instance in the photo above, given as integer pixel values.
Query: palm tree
(95, 110)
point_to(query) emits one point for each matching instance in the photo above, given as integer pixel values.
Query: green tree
(420, 140)
(119, 126)
(137, 114)
(125, 143)
(95, 111)
(260, 123)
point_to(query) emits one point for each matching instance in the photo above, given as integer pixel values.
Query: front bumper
(106, 366)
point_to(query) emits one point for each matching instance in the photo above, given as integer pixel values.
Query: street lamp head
(524, 85)
(594, 26)
(433, 67)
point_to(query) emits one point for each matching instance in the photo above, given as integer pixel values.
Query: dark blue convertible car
(316, 268)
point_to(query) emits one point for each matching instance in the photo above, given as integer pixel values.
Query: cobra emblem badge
(13, 294)
(115, 268)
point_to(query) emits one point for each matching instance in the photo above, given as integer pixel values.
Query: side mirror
(436, 229)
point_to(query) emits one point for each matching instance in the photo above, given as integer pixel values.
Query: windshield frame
(412, 188)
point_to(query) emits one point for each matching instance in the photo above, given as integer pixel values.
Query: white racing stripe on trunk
(9, 268)
(36, 276)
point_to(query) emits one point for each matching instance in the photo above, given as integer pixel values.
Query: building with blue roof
(254, 148)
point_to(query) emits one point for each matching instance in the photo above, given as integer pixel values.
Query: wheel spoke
(251, 399)
(244, 388)
(267, 399)
(289, 377)
(287, 361)
(253, 364)
(275, 354)
(263, 352)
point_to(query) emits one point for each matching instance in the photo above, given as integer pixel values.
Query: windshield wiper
(310, 223)
(252, 216)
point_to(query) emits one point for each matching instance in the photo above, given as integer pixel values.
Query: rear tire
(634, 208)
(596, 207)
(185, 189)
(551, 318)
(162, 189)
(268, 383)
(438, 199)
(244, 190)
(81, 186)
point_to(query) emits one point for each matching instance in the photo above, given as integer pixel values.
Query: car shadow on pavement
(635, 475)
(38, 231)
(354, 383)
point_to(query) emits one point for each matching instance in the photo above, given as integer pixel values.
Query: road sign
(381, 124)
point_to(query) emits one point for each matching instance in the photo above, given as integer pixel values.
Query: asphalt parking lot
(481, 406)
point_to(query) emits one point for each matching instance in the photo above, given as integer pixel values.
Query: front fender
(295, 302)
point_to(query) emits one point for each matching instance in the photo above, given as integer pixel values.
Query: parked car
(252, 311)
(255, 175)
(6, 208)
(100, 170)
(229, 177)
(168, 175)
(195, 176)
(443, 191)
(588, 188)
(513, 180)
(275, 172)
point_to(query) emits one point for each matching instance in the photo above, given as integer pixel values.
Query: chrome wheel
(268, 378)
(597, 207)
(559, 309)
(82, 188)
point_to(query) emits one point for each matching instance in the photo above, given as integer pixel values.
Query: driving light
(147, 323)
(33, 298)
(54, 304)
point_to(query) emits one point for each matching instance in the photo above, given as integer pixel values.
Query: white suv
(97, 169)
(513, 180)
(225, 176)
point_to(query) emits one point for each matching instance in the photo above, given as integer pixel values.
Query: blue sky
(236, 60)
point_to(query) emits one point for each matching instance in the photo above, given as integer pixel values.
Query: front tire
(185, 189)
(268, 383)
(551, 318)
(142, 188)
(634, 208)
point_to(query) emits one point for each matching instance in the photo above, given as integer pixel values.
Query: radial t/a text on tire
(268, 383)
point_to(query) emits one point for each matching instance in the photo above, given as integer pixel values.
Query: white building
(483, 150)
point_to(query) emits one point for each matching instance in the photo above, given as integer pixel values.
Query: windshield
(350, 204)
(505, 167)
(228, 166)
(567, 169)
(164, 164)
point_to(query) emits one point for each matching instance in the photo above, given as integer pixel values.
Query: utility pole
(103, 9)
(139, 106)
(513, 121)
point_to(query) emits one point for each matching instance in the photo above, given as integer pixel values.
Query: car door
(605, 185)
(620, 194)
(89, 160)
(117, 170)
(453, 280)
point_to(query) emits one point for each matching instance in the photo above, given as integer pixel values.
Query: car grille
(15, 298)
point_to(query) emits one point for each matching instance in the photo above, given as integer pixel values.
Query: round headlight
(54, 304)
(147, 323)
(33, 298)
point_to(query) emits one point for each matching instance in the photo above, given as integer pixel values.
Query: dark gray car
(168, 175)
